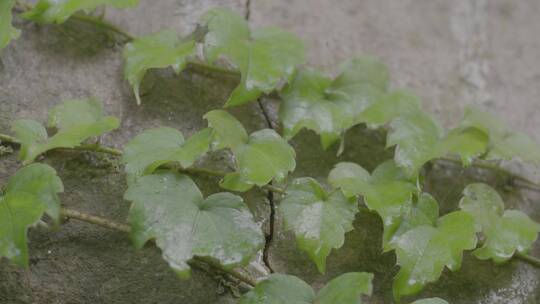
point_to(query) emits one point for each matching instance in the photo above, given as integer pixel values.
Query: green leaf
(505, 232)
(228, 131)
(58, 11)
(424, 251)
(155, 147)
(390, 106)
(260, 157)
(386, 191)
(158, 50)
(7, 31)
(503, 143)
(169, 208)
(279, 289)
(75, 121)
(469, 144)
(346, 289)
(40, 181)
(430, 301)
(416, 136)
(330, 107)
(318, 219)
(287, 289)
(29, 193)
(265, 57)
(305, 105)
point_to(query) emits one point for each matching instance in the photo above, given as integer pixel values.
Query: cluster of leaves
(169, 208)
(49, 12)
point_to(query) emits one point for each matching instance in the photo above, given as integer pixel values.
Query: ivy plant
(168, 208)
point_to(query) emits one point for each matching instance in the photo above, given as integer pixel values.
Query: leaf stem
(529, 259)
(73, 214)
(8, 139)
(99, 221)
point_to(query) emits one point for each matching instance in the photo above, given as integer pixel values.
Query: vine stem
(99, 221)
(529, 259)
(112, 151)
(522, 181)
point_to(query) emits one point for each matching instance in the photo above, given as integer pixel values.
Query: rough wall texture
(451, 53)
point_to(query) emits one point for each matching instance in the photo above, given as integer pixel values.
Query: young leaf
(503, 144)
(75, 121)
(505, 232)
(280, 288)
(265, 57)
(7, 31)
(155, 147)
(330, 107)
(318, 219)
(424, 251)
(386, 191)
(159, 50)
(260, 157)
(31, 192)
(169, 208)
(58, 11)
(430, 301)
(346, 289)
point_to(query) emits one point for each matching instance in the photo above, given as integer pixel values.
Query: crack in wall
(269, 236)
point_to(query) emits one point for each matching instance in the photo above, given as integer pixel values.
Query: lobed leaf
(58, 11)
(330, 107)
(30, 192)
(170, 208)
(424, 251)
(265, 57)
(505, 232)
(7, 31)
(318, 219)
(387, 191)
(156, 147)
(260, 157)
(280, 288)
(159, 50)
(75, 121)
(416, 136)
(503, 143)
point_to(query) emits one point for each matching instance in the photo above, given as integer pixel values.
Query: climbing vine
(168, 208)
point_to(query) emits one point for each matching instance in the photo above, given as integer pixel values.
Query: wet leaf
(265, 57)
(159, 50)
(75, 121)
(169, 208)
(505, 232)
(155, 147)
(7, 31)
(58, 11)
(430, 301)
(423, 252)
(387, 191)
(318, 219)
(29, 193)
(330, 107)
(260, 157)
(503, 143)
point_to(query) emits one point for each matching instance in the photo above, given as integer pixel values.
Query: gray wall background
(450, 53)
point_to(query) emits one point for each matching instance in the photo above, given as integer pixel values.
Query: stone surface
(451, 53)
